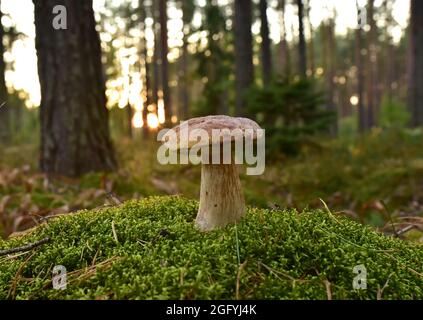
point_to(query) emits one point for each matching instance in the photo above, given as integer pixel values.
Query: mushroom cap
(233, 129)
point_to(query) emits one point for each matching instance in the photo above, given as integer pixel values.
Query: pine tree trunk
(4, 108)
(360, 78)
(372, 69)
(163, 57)
(415, 81)
(75, 135)
(146, 65)
(244, 71)
(311, 43)
(156, 55)
(184, 111)
(302, 51)
(390, 61)
(188, 8)
(129, 115)
(266, 54)
(284, 55)
(331, 72)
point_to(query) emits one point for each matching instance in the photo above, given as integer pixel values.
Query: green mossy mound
(155, 252)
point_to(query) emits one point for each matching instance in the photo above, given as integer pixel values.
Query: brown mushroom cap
(209, 124)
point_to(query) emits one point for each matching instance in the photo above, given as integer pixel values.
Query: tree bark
(163, 57)
(183, 80)
(145, 65)
(284, 50)
(75, 135)
(266, 54)
(129, 115)
(311, 43)
(360, 78)
(330, 72)
(372, 68)
(415, 73)
(4, 108)
(187, 15)
(244, 70)
(302, 51)
(156, 55)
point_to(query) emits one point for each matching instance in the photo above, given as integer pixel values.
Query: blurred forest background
(338, 88)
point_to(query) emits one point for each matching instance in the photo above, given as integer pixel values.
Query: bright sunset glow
(354, 100)
(24, 76)
(161, 111)
(152, 121)
(137, 121)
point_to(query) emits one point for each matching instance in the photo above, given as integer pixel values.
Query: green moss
(160, 255)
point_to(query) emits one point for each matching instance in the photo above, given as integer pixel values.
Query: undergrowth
(150, 249)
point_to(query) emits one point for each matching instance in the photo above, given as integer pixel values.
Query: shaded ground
(376, 180)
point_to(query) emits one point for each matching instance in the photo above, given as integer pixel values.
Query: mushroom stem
(221, 197)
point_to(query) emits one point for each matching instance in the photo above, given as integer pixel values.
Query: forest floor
(376, 180)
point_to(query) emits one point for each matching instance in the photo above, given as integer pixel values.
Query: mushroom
(221, 196)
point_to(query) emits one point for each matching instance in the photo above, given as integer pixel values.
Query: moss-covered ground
(150, 249)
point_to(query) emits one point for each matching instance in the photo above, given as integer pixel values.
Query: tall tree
(266, 54)
(156, 54)
(244, 71)
(187, 16)
(302, 51)
(372, 100)
(163, 58)
(213, 62)
(360, 74)
(311, 42)
(75, 135)
(4, 109)
(329, 58)
(389, 64)
(284, 50)
(415, 72)
(144, 63)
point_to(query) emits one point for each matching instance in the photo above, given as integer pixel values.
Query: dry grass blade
(12, 290)
(85, 273)
(328, 289)
(238, 278)
(380, 291)
(328, 210)
(114, 232)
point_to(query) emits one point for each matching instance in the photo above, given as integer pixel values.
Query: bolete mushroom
(221, 196)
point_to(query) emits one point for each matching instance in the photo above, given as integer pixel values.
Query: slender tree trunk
(183, 82)
(187, 12)
(129, 115)
(75, 135)
(302, 51)
(266, 54)
(244, 71)
(311, 43)
(372, 68)
(331, 72)
(415, 73)
(156, 55)
(360, 78)
(4, 108)
(284, 55)
(164, 61)
(389, 65)
(145, 66)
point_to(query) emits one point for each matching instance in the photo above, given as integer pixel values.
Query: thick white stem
(221, 197)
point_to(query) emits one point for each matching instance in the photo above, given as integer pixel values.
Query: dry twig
(26, 247)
